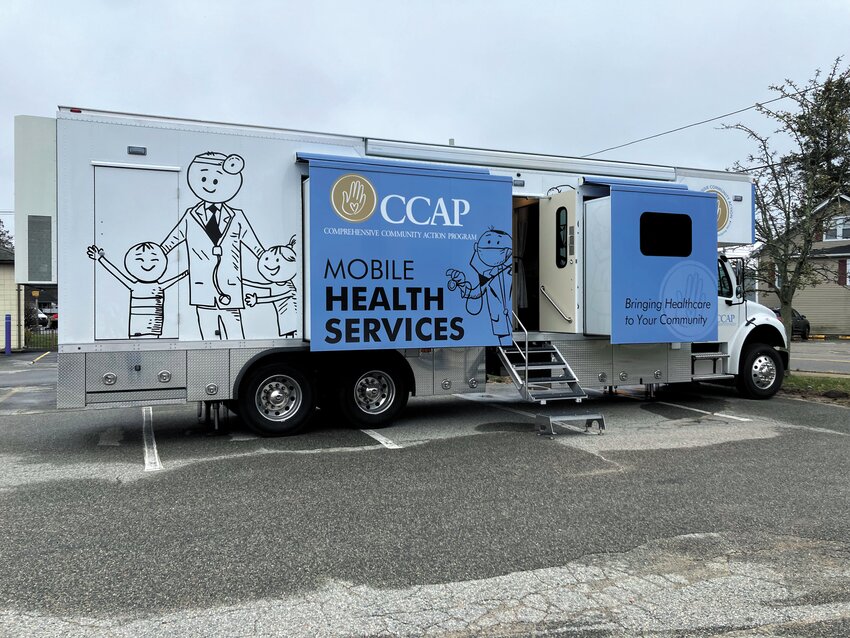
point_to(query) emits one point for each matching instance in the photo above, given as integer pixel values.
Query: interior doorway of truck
(526, 276)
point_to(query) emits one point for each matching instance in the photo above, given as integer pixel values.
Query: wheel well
(318, 364)
(770, 336)
(294, 357)
(377, 357)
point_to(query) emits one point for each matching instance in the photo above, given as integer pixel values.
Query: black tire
(276, 399)
(804, 335)
(232, 405)
(760, 372)
(372, 396)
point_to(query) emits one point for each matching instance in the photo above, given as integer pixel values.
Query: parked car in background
(799, 324)
(43, 319)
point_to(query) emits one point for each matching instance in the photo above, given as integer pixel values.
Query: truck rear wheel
(761, 372)
(372, 396)
(276, 400)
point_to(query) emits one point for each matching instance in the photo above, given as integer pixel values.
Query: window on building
(839, 228)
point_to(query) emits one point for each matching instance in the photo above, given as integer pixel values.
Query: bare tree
(6, 240)
(791, 185)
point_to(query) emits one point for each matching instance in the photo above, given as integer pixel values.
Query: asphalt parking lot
(698, 514)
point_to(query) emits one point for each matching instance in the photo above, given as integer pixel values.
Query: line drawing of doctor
(214, 234)
(491, 261)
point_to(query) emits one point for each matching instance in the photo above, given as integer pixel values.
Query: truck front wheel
(276, 400)
(761, 372)
(372, 396)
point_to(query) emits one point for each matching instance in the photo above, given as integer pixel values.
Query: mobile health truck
(273, 271)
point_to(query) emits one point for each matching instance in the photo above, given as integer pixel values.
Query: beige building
(827, 305)
(11, 300)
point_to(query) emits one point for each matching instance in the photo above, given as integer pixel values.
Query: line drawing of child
(278, 266)
(491, 261)
(145, 264)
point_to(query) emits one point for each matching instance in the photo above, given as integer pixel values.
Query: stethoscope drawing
(223, 298)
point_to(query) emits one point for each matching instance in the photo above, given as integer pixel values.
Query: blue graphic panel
(663, 266)
(405, 255)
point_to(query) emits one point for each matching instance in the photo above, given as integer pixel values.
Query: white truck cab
(753, 337)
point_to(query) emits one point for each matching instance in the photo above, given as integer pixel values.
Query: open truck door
(558, 285)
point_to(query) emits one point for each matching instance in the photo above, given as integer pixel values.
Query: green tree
(804, 162)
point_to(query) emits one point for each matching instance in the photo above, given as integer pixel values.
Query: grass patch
(818, 387)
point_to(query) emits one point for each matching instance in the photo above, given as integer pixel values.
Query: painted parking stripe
(243, 437)
(11, 392)
(720, 414)
(382, 440)
(40, 357)
(152, 463)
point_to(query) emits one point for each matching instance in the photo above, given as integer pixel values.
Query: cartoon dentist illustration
(492, 262)
(214, 234)
(145, 264)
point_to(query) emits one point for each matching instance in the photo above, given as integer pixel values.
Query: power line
(711, 119)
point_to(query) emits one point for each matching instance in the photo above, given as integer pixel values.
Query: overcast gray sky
(566, 78)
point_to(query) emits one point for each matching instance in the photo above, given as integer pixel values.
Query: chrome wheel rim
(278, 397)
(763, 372)
(374, 392)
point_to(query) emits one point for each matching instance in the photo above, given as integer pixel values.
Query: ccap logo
(353, 198)
(723, 216)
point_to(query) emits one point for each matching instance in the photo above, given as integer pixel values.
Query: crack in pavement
(703, 584)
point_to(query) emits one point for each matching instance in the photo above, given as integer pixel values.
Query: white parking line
(382, 440)
(9, 393)
(243, 437)
(720, 414)
(152, 463)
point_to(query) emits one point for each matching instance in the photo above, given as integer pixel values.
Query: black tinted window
(564, 238)
(724, 284)
(665, 235)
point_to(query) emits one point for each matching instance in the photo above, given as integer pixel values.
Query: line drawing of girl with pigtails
(278, 265)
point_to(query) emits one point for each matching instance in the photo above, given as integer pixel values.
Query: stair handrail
(523, 353)
(554, 305)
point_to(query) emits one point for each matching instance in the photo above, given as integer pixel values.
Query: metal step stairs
(715, 358)
(540, 372)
